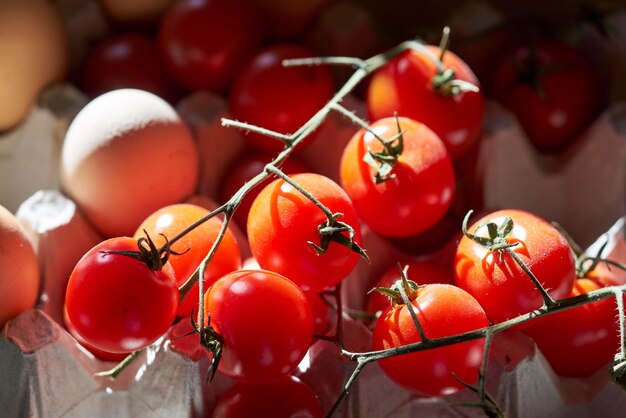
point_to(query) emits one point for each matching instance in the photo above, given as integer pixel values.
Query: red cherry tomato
(442, 310)
(420, 271)
(552, 89)
(127, 60)
(579, 341)
(203, 42)
(322, 321)
(265, 322)
(405, 86)
(245, 168)
(283, 223)
(286, 19)
(192, 247)
(282, 99)
(286, 398)
(116, 302)
(101, 354)
(498, 282)
(420, 186)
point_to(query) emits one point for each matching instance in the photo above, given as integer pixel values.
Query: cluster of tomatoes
(409, 178)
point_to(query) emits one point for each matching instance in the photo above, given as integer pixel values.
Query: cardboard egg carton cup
(46, 373)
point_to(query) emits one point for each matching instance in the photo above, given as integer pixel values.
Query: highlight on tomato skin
(286, 398)
(117, 303)
(264, 321)
(498, 283)
(578, 342)
(442, 310)
(417, 191)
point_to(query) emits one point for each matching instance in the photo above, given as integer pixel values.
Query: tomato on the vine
(286, 398)
(417, 190)
(283, 225)
(118, 303)
(410, 85)
(551, 88)
(579, 341)
(442, 310)
(278, 98)
(190, 250)
(203, 42)
(496, 280)
(264, 321)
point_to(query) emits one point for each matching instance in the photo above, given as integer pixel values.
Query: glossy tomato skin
(421, 191)
(286, 398)
(420, 271)
(265, 322)
(283, 221)
(192, 247)
(281, 99)
(203, 42)
(565, 101)
(579, 341)
(115, 302)
(126, 60)
(442, 310)
(243, 170)
(499, 284)
(405, 86)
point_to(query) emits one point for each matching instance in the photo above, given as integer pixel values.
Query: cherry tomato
(282, 99)
(245, 168)
(498, 282)
(579, 341)
(405, 86)
(126, 60)
(551, 89)
(286, 398)
(283, 223)
(192, 247)
(288, 18)
(419, 188)
(420, 271)
(442, 310)
(203, 42)
(265, 322)
(322, 321)
(118, 303)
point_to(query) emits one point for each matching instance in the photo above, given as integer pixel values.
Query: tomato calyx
(498, 239)
(618, 370)
(384, 161)
(487, 402)
(400, 286)
(211, 341)
(148, 253)
(445, 82)
(333, 231)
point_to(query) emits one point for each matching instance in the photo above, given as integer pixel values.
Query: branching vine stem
(365, 358)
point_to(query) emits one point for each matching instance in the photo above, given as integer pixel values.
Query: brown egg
(127, 154)
(34, 53)
(19, 270)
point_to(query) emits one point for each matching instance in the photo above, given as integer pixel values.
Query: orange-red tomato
(498, 282)
(442, 310)
(193, 247)
(420, 187)
(283, 223)
(405, 86)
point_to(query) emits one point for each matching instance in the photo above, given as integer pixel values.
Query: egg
(34, 50)
(19, 269)
(126, 154)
